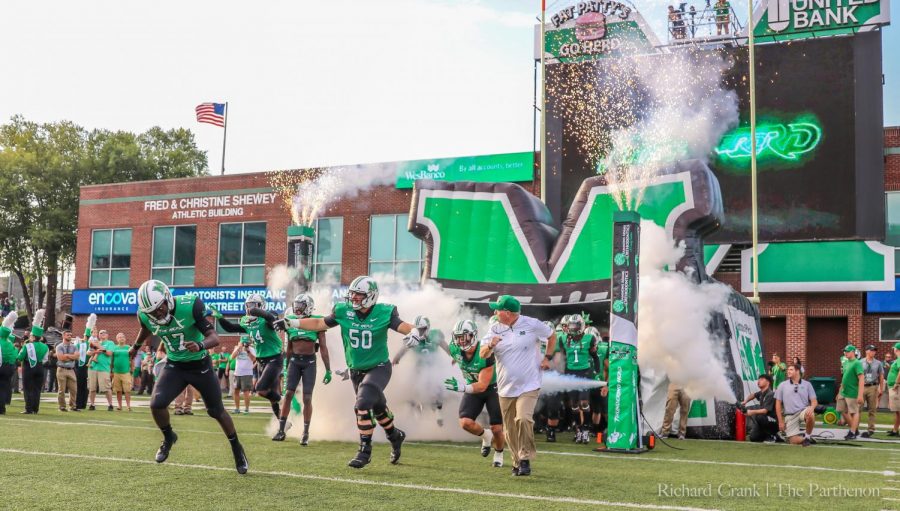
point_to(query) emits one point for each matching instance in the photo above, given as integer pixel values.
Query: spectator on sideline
(98, 370)
(873, 387)
(762, 422)
(244, 356)
(676, 398)
(852, 390)
(893, 384)
(800, 364)
(147, 371)
(515, 341)
(795, 402)
(50, 371)
(67, 357)
(778, 370)
(136, 369)
(121, 371)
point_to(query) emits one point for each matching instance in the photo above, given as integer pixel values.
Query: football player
(578, 349)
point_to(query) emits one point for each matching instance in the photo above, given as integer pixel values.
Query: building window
(329, 250)
(892, 224)
(242, 254)
(174, 251)
(889, 329)
(393, 250)
(110, 257)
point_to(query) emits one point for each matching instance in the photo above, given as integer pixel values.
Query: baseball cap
(506, 303)
(848, 348)
(871, 347)
(897, 346)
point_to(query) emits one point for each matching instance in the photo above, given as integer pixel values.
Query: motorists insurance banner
(227, 300)
(782, 20)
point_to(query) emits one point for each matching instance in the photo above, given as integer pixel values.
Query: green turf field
(103, 460)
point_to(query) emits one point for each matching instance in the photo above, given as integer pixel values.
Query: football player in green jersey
(260, 325)
(364, 324)
(425, 354)
(599, 396)
(479, 390)
(303, 345)
(181, 325)
(579, 349)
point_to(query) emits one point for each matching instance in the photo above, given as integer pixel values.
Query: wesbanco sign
(210, 206)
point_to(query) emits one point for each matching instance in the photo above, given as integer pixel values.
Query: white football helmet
(151, 296)
(423, 325)
(464, 334)
(364, 285)
(254, 301)
(304, 305)
(576, 324)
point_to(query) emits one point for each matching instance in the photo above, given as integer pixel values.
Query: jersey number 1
(361, 338)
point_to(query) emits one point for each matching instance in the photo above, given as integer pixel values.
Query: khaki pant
(122, 382)
(66, 380)
(676, 398)
(184, 400)
(870, 397)
(518, 425)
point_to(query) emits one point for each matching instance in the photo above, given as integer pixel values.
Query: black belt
(302, 357)
(870, 384)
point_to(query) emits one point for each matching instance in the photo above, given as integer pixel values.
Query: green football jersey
(265, 339)
(602, 355)
(299, 333)
(365, 340)
(431, 344)
(180, 330)
(578, 352)
(472, 367)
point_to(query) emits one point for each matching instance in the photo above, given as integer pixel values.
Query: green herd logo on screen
(618, 306)
(620, 259)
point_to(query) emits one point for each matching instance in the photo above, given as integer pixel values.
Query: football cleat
(163, 453)
(240, 459)
(396, 442)
(279, 437)
(498, 459)
(362, 456)
(304, 440)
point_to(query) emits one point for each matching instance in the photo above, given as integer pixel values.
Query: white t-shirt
(243, 366)
(518, 355)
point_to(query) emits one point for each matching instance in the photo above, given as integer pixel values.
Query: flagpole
(543, 109)
(224, 137)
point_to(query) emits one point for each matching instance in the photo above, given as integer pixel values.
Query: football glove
(327, 379)
(455, 386)
(413, 339)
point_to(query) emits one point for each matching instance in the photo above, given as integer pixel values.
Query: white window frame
(219, 266)
(112, 238)
(880, 330)
(339, 264)
(174, 237)
(394, 261)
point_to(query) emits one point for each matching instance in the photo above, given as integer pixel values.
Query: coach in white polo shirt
(515, 341)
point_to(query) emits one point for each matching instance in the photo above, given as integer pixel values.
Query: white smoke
(313, 195)
(413, 386)
(553, 382)
(673, 318)
(683, 115)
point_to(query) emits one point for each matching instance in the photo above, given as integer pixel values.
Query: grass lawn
(103, 460)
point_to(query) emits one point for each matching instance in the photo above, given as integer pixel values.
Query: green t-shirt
(40, 353)
(182, 329)
(472, 367)
(578, 355)
(121, 362)
(365, 339)
(850, 381)
(779, 374)
(265, 339)
(216, 359)
(231, 361)
(892, 374)
(722, 9)
(297, 334)
(7, 351)
(103, 360)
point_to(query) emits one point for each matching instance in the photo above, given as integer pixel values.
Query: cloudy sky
(308, 83)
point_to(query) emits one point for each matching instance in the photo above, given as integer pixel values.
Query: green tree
(42, 167)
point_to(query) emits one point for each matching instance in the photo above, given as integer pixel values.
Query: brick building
(196, 220)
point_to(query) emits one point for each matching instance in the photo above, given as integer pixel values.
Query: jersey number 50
(360, 338)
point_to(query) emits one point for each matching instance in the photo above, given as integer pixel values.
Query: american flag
(211, 113)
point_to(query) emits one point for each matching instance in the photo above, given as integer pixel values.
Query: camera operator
(762, 424)
(244, 356)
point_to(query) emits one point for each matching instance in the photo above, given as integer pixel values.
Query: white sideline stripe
(422, 487)
(119, 426)
(891, 489)
(700, 462)
(892, 500)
